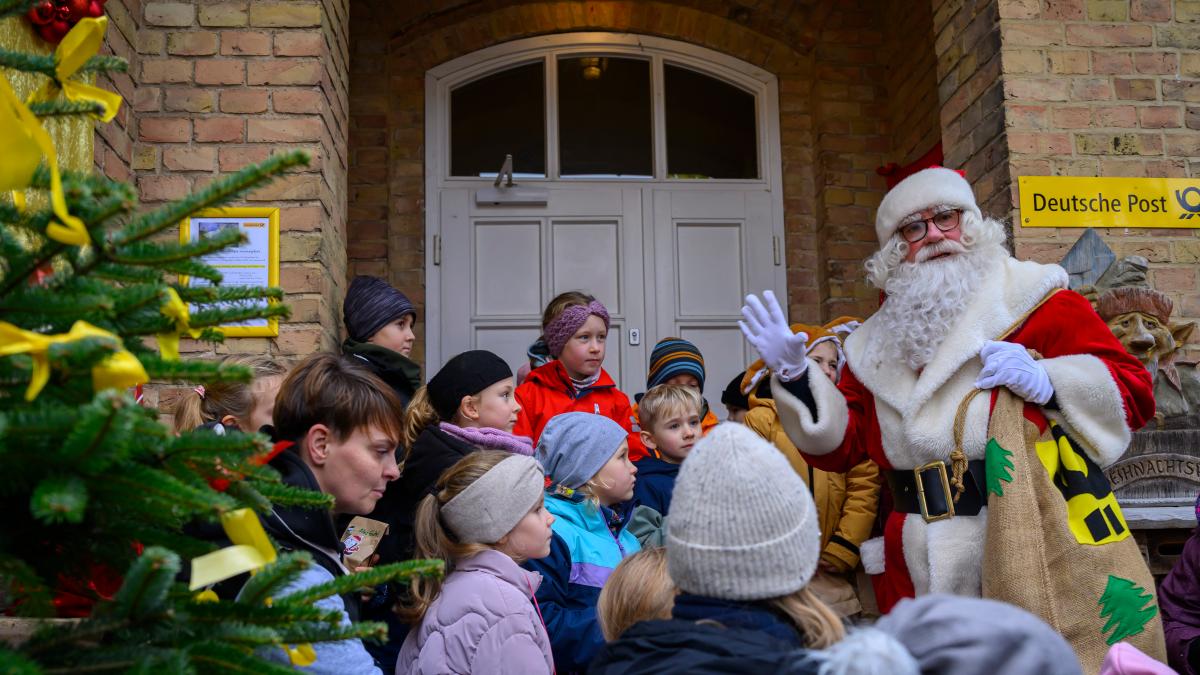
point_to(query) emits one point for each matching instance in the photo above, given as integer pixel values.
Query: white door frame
(440, 80)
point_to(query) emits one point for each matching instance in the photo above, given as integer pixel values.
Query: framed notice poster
(254, 263)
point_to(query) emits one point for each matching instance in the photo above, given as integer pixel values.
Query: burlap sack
(1057, 544)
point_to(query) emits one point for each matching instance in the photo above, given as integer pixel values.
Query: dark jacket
(399, 372)
(295, 528)
(707, 635)
(1179, 600)
(655, 483)
(432, 453)
(587, 544)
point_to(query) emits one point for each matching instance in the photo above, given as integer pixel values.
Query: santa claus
(959, 314)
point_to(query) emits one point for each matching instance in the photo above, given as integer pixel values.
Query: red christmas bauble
(95, 9)
(78, 9)
(63, 13)
(54, 31)
(42, 13)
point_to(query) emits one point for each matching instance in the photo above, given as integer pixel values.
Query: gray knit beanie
(949, 634)
(574, 446)
(372, 303)
(743, 525)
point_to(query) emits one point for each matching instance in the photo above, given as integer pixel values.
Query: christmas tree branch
(290, 495)
(45, 63)
(366, 579)
(150, 253)
(226, 315)
(63, 107)
(220, 612)
(217, 192)
(272, 578)
(220, 658)
(214, 294)
(363, 630)
(199, 372)
(11, 7)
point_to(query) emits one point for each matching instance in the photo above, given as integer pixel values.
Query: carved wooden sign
(1133, 469)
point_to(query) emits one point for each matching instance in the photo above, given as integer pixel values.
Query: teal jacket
(588, 543)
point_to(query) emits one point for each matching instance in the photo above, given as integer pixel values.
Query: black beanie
(464, 375)
(370, 304)
(733, 396)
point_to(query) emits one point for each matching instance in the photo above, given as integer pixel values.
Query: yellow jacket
(846, 502)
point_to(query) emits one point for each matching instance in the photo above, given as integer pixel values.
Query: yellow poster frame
(271, 213)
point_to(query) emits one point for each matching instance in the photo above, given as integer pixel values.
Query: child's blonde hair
(562, 302)
(639, 589)
(417, 417)
(434, 540)
(211, 403)
(820, 625)
(664, 400)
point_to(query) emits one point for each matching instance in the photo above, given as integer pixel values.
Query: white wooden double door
(664, 261)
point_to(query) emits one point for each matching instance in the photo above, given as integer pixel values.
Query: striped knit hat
(674, 356)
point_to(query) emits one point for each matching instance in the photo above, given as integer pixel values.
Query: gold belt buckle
(941, 468)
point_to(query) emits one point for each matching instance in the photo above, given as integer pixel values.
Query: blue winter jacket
(588, 544)
(655, 483)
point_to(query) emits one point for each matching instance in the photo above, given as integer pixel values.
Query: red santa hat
(937, 186)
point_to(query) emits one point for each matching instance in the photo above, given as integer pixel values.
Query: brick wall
(1106, 88)
(911, 63)
(850, 95)
(967, 45)
(114, 142)
(833, 120)
(224, 84)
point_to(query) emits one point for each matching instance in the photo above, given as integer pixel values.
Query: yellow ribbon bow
(301, 655)
(177, 310)
(23, 143)
(79, 45)
(120, 370)
(251, 550)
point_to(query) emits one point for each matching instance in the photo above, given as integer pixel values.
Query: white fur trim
(870, 552)
(825, 434)
(916, 557)
(867, 651)
(1091, 405)
(945, 556)
(923, 189)
(916, 413)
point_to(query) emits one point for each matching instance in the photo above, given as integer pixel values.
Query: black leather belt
(926, 490)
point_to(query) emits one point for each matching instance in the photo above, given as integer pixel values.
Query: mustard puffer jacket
(846, 502)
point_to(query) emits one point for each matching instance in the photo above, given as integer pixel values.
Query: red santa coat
(901, 419)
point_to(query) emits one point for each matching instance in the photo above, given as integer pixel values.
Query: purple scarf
(491, 439)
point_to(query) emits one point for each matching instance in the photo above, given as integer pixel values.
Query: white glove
(1008, 364)
(766, 328)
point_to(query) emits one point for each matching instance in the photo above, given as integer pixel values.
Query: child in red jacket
(575, 329)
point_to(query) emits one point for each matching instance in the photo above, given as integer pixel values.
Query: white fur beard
(924, 299)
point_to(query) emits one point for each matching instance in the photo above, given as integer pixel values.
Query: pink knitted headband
(561, 329)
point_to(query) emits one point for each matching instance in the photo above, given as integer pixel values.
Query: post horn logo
(1190, 210)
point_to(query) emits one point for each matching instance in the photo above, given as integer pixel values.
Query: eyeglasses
(945, 221)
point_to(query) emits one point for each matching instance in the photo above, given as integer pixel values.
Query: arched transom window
(605, 116)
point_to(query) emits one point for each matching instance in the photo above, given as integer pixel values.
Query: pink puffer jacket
(483, 621)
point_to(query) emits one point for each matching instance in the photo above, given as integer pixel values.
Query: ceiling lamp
(593, 67)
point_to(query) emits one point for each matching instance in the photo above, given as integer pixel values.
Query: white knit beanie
(743, 525)
(926, 188)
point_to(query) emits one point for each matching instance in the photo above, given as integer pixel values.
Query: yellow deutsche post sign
(1070, 201)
